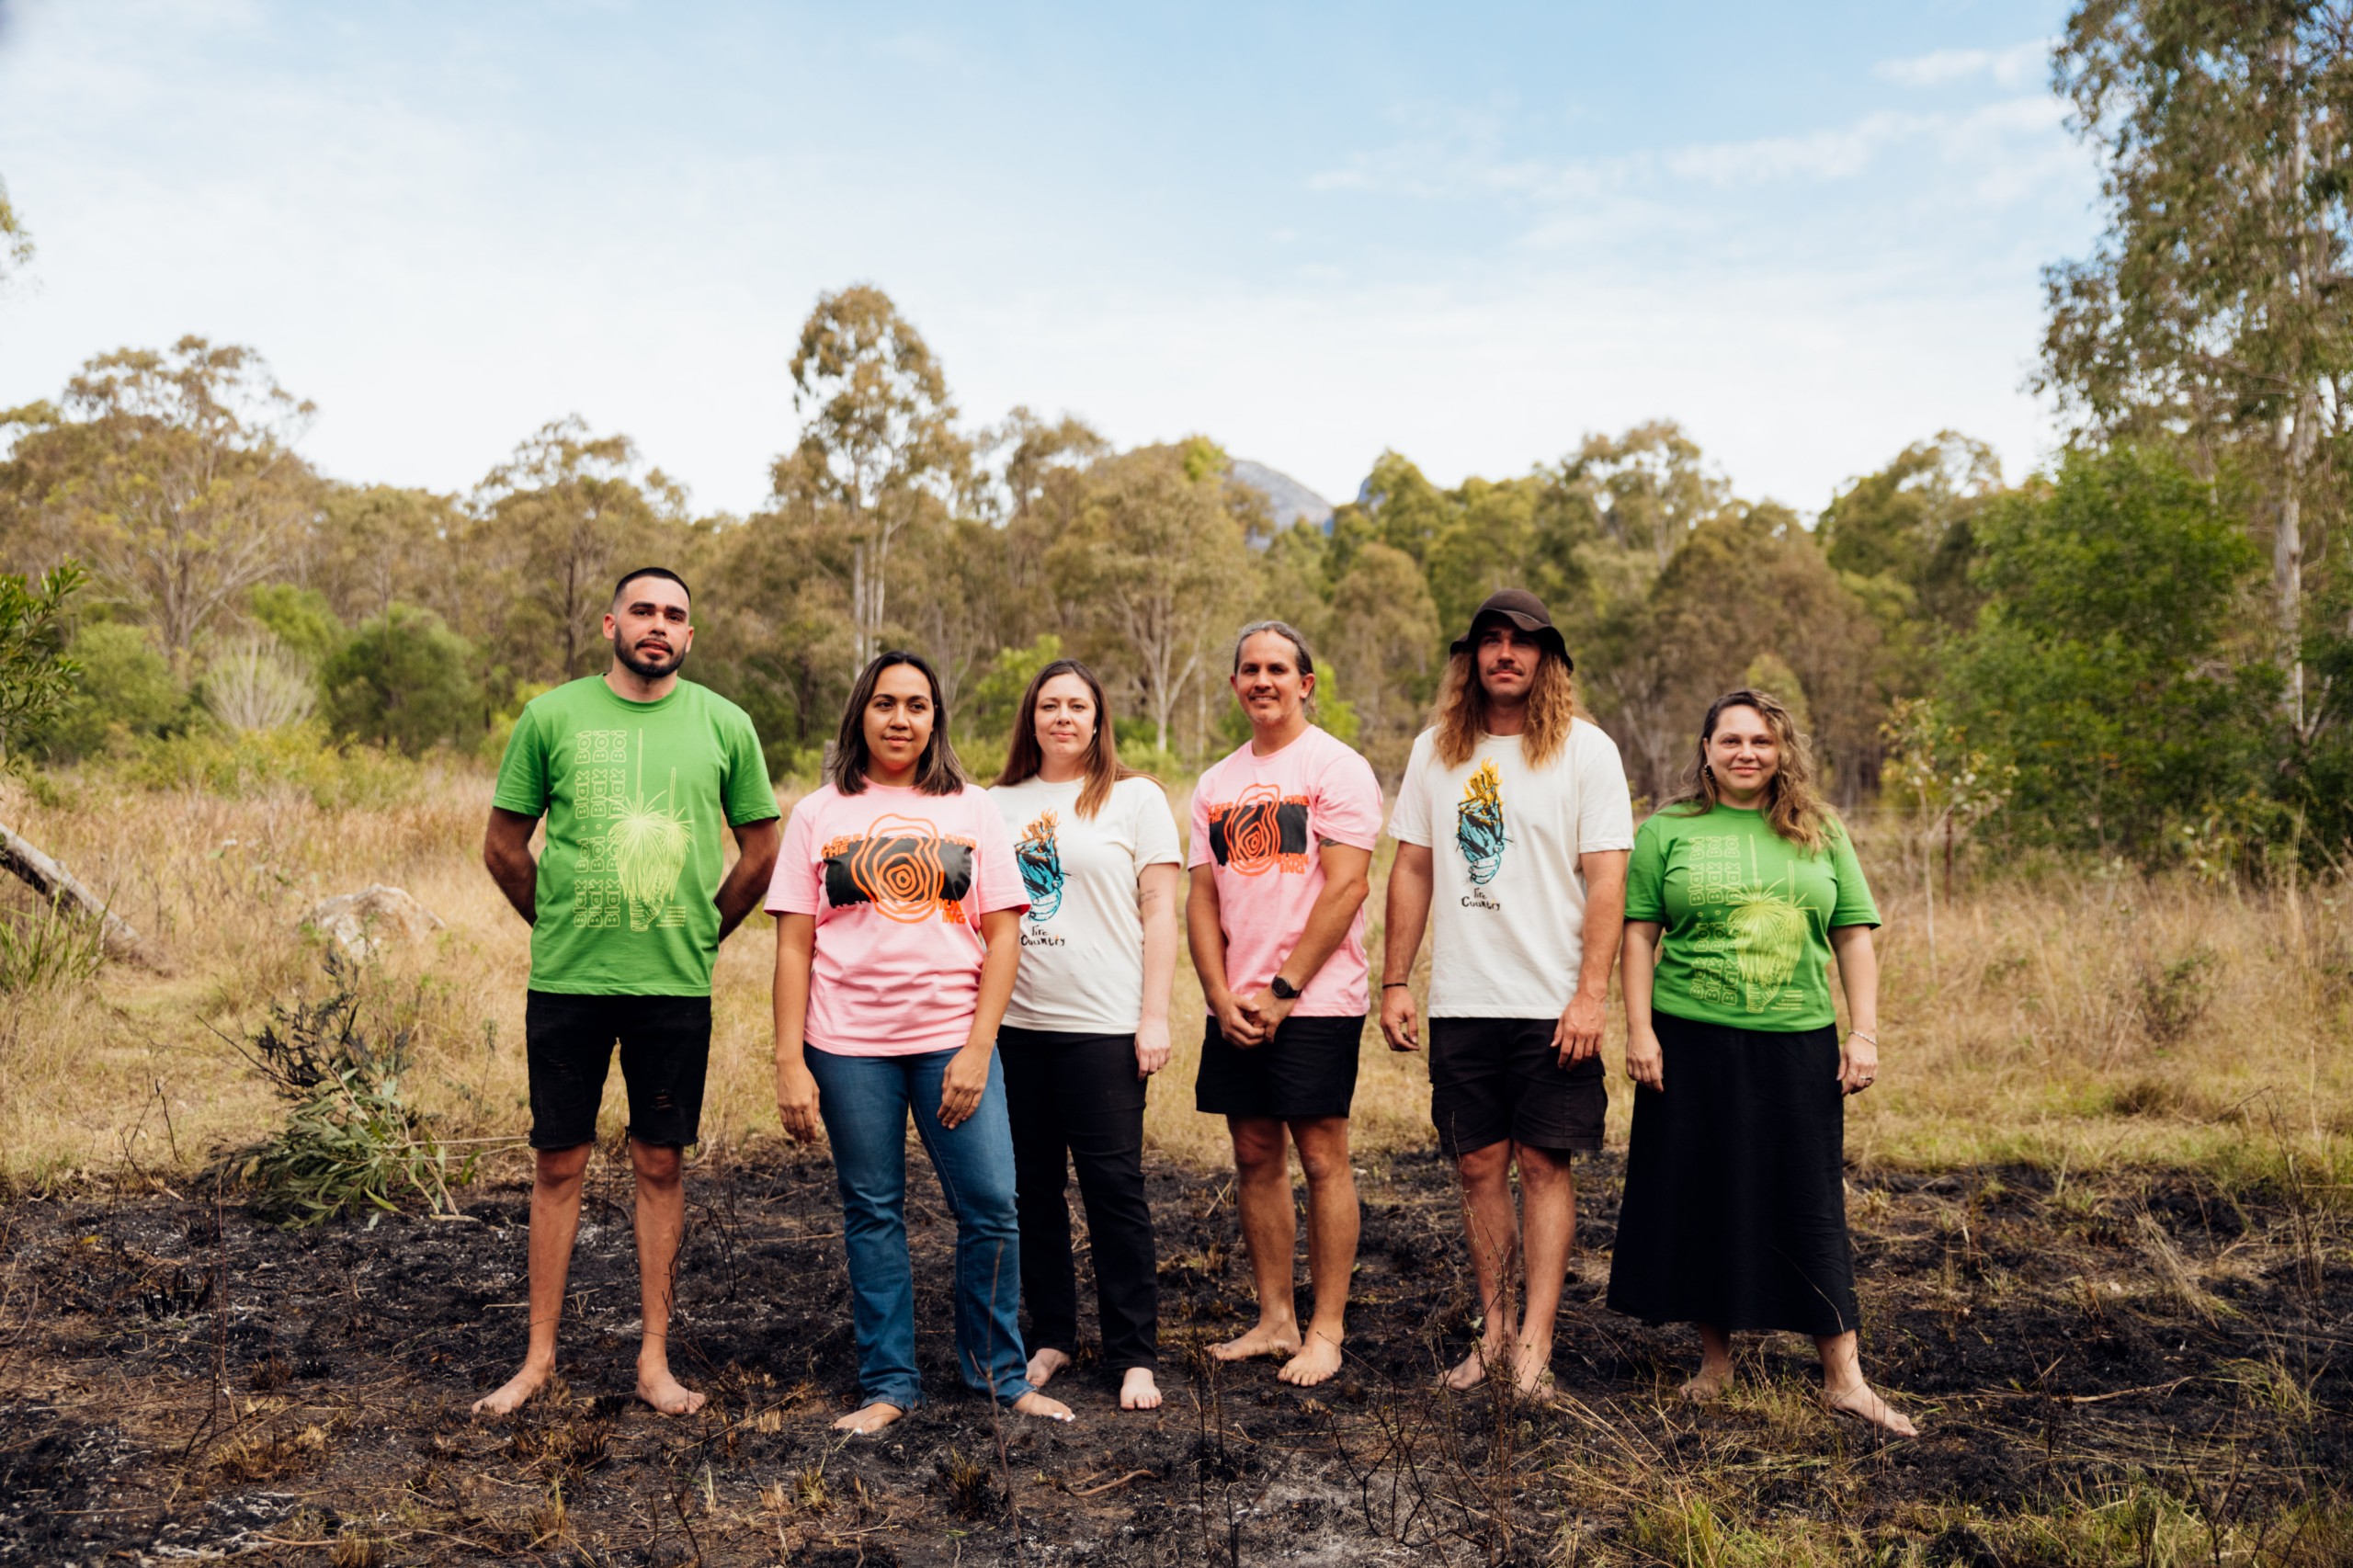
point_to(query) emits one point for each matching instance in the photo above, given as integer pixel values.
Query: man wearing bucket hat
(1513, 826)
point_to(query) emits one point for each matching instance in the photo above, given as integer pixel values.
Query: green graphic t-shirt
(637, 796)
(1748, 918)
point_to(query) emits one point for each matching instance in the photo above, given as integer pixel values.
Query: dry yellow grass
(2076, 1021)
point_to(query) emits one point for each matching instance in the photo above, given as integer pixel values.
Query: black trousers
(1076, 1099)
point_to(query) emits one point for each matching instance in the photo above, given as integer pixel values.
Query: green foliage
(15, 240)
(301, 756)
(351, 1140)
(996, 696)
(125, 692)
(302, 620)
(2097, 666)
(47, 947)
(404, 681)
(36, 674)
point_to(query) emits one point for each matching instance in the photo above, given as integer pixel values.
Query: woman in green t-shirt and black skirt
(1738, 894)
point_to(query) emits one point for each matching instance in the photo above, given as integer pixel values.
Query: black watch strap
(1283, 988)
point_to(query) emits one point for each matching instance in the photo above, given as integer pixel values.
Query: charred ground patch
(2102, 1369)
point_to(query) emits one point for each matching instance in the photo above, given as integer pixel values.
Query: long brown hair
(1460, 715)
(1104, 768)
(937, 772)
(1793, 808)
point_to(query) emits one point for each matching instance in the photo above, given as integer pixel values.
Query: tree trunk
(60, 886)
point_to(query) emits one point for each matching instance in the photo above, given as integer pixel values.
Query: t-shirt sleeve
(799, 885)
(1646, 875)
(1409, 819)
(747, 794)
(1155, 825)
(1853, 906)
(1197, 852)
(1348, 801)
(523, 771)
(996, 879)
(1605, 806)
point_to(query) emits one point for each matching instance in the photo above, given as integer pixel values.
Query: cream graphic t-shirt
(1507, 900)
(1082, 941)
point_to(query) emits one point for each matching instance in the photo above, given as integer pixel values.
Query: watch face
(1283, 988)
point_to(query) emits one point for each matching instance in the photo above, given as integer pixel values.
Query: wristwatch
(1283, 988)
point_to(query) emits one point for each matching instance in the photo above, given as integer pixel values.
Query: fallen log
(64, 890)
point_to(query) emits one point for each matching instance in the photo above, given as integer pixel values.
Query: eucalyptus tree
(2218, 304)
(878, 439)
(172, 474)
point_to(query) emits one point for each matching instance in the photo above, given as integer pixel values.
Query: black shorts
(666, 1049)
(1497, 1078)
(1308, 1069)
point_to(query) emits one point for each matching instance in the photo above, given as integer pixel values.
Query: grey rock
(362, 922)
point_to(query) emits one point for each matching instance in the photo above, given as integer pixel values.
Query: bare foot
(1038, 1405)
(666, 1393)
(508, 1396)
(1708, 1384)
(1137, 1389)
(1533, 1371)
(1315, 1362)
(1471, 1370)
(1863, 1405)
(1044, 1365)
(1266, 1339)
(869, 1419)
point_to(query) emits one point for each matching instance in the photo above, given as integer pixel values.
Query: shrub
(125, 692)
(404, 681)
(298, 756)
(351, 1140)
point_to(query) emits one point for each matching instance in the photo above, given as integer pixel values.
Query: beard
(650, 665)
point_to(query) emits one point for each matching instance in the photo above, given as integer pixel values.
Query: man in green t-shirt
(634, 770)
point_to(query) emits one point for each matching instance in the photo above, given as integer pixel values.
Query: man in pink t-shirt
(1283, 833)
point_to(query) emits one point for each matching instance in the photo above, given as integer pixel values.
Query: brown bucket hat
(1524, 610)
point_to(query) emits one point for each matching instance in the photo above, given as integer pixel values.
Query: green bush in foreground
(351, 1140)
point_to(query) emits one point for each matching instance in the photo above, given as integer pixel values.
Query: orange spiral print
(897, 866)
(1252, 834)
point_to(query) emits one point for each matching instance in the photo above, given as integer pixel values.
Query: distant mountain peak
(1291, 501)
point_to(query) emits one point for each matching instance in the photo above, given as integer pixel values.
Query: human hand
(1240, 1028)
(1152, 1046)
(1579, 1034)
(1268, 1009)
(1644, 1063)
(796, 1101)
(962, 1086)
(1398, 1025)
(1857, 1063)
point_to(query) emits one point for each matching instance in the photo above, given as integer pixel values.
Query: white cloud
(2020, 65)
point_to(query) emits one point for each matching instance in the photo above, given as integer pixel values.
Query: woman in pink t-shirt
(898, 909)
(1283, 831)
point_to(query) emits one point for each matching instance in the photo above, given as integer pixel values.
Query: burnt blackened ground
(177, 1381)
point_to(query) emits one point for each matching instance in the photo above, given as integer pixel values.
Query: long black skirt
(1735, 1206)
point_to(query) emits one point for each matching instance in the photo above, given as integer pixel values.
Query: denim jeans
(865, 1101)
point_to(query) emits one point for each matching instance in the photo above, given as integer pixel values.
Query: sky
(1810, 232)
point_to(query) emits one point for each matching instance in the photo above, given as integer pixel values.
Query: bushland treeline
(2081, 659)
(2144, 651)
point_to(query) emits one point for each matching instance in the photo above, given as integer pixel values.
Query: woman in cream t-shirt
(1088, 1022)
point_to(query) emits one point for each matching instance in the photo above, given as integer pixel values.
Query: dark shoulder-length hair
(937, 772)
(1104, 768)
(1793, 806)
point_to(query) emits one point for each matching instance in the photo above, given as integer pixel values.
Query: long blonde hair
(1793, 808)
(1460, 715)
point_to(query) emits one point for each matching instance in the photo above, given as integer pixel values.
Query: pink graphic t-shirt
(898, 880)
(1259, 821)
